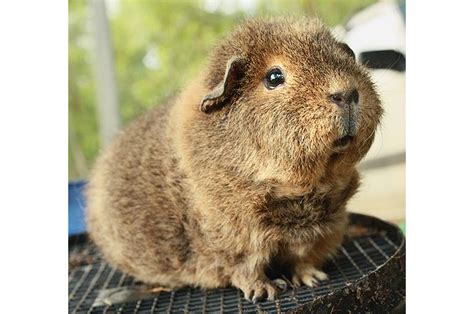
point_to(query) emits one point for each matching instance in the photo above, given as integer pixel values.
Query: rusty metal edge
(381, 291)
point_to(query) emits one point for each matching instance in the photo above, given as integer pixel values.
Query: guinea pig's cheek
(368, 120)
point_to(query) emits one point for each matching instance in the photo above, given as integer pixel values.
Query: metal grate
(89, 274)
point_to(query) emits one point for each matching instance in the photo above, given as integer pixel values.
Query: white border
(440, 120)
(33, 156)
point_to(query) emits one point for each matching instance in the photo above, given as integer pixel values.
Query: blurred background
(126, 56)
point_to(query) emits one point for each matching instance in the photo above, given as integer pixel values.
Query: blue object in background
(77, 203)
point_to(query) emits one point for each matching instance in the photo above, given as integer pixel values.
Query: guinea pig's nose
(347, 97)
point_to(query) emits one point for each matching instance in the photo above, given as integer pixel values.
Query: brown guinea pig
(252, 164)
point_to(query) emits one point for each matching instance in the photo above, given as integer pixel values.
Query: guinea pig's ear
(224, 90)
(347, 50)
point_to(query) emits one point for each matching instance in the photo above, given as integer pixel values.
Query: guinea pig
(252, 164)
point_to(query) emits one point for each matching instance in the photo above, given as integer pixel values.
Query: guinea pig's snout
(347, 101)
(345, 98)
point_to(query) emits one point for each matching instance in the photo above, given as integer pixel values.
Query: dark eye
(274, 78)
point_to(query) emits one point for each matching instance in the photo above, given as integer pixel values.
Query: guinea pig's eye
(274, 78)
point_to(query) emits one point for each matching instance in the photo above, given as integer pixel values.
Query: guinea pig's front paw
(258, 290)
(307, 275)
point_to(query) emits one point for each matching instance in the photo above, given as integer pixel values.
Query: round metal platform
(368, 274)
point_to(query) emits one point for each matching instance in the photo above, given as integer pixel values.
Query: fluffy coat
(213, 187)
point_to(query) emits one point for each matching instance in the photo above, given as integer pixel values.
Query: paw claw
(281, 284)
(320, 275)
(308, 280)
(248, 295)
(309, 276)
(296, 282)
(258, 294)
(260, 290)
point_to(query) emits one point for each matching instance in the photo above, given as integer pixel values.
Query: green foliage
(158, 46)
(177, 34)
(83, 128)
(332, 12)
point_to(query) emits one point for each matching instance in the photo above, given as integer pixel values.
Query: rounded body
(235, 175)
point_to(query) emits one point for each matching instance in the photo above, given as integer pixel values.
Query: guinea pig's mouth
(343, 142)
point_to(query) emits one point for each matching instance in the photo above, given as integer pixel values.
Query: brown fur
(186, 197)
